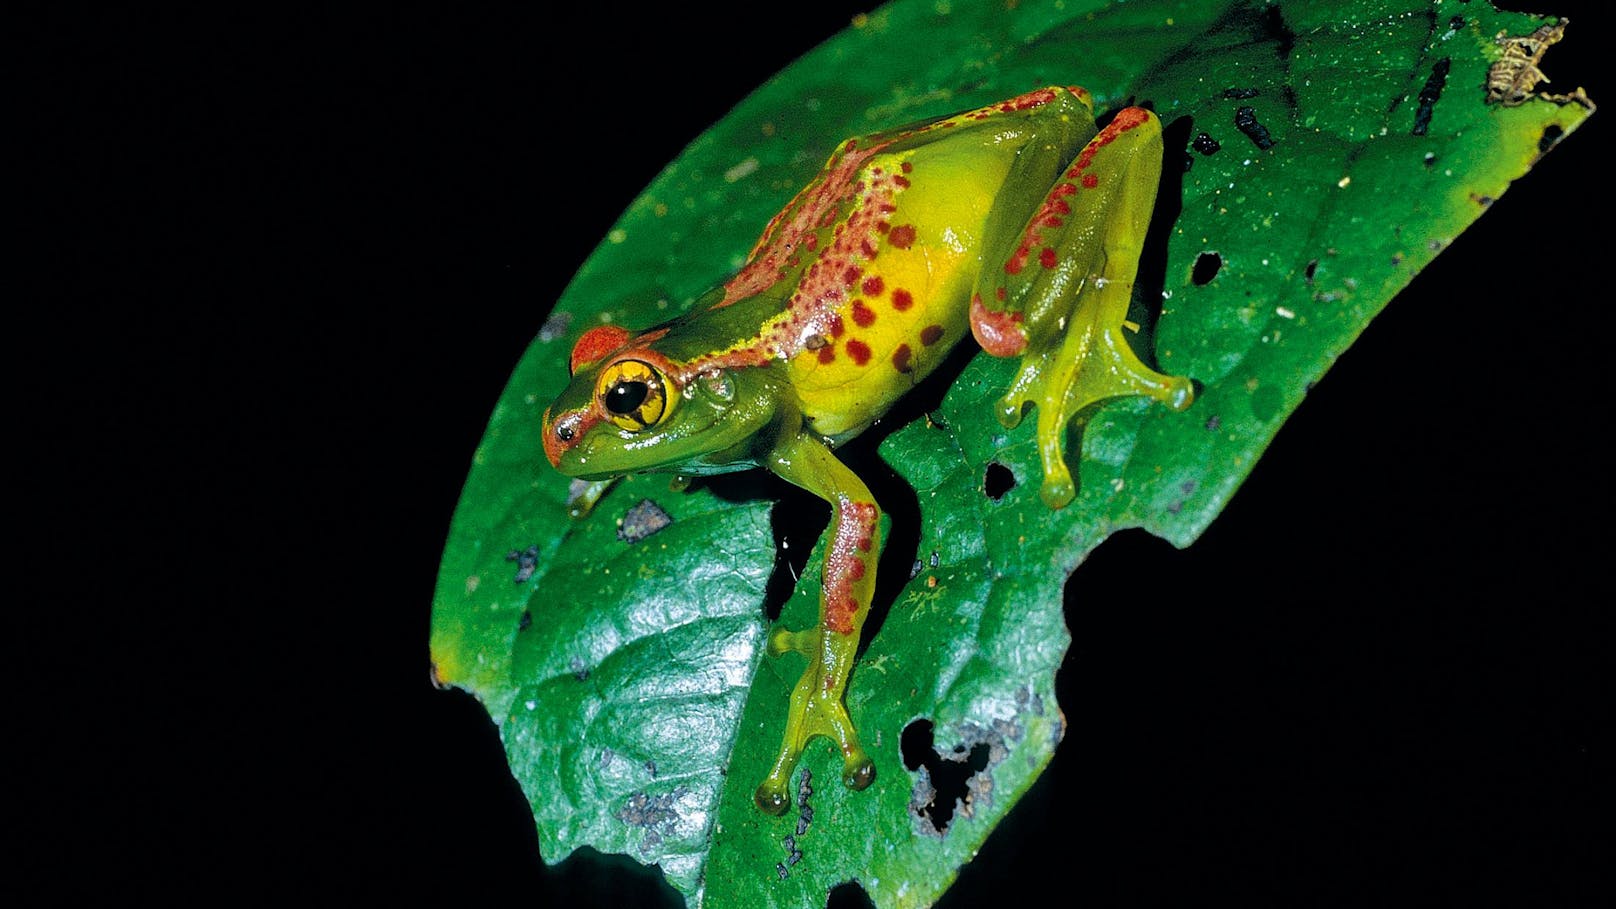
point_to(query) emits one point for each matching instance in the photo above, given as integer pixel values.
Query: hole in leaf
(1312, 267)
(1206, 268)
(999, 480)
(1551, 135)
(849, 896)
(946, 781)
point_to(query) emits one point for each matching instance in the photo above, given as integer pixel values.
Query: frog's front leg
(854, 545)
(1057, 291)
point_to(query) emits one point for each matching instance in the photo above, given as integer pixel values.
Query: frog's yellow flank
(1019, 223)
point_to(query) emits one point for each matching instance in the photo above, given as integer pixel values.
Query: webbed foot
(816, 710)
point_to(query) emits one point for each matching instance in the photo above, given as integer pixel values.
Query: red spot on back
(596, 343)
(901, 181)
(907, 167)
(901, 299)
(859, 351)
(867, 248)
(900, 359)
(873, 286)
(851, 276)
(862, 314)
(931, 334)
(1047, 258)
(1090, 181)
(836, 327)
(902, 236)
(827, 354)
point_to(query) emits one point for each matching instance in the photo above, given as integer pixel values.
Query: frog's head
(629, 408)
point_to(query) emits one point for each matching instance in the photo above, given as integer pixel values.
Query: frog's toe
(771, 798)
(783, 641)
(1058, 493)
(1009, 410)
(858, 771)
(1179, 393)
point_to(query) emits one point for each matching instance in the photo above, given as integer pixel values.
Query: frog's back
(861, 284)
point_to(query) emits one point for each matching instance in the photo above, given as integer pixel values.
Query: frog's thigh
(1058, 295)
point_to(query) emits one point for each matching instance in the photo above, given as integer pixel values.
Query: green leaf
(1354, 141)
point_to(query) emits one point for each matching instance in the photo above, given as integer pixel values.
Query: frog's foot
(1090, 363)
(583, 494)
(816, 710)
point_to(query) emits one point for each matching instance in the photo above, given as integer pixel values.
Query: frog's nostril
(559, 436)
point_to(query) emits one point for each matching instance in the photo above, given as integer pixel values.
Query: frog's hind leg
(1057, 294)
(853, 544)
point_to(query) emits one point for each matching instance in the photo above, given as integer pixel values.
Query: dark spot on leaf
(1240, 94)
(1312, 268)
(1274, 24)
(1245, 120)
(999, 480)
(642, 520)
(1205, 144)
(1551, 136)
(650, 767)
(555, 326)
(527, 561)
(1456, 23)
(1429, 95)
(1430, 158)
(580, 671)
(1189, 162)
(1206, 268)
(526, 621)
(655, 814)
(1397, 259)
(1214, 423)
(936, 558)
(780, 869)
(805, 811)
(914, 570)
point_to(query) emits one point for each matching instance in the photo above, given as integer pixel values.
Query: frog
(1018, 224)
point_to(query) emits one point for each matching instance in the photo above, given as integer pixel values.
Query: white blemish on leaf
(741, 171)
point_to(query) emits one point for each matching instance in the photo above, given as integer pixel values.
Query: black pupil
(626, 397)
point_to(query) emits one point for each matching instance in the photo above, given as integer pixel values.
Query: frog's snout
(558, 438)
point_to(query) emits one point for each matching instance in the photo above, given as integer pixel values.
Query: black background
(294, 255)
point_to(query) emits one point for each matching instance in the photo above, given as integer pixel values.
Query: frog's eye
(633, 394)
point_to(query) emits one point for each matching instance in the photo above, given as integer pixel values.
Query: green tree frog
(1019, 223)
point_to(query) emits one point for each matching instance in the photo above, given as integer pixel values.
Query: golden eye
(633, 394)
